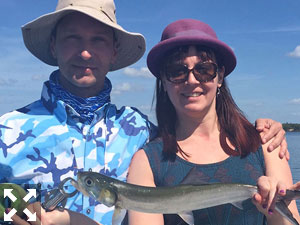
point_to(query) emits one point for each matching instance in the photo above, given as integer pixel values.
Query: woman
(201, 127)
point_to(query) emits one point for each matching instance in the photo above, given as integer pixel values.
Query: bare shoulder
(139, 170)
(140, 155)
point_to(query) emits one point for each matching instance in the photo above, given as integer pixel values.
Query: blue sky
(264, 34)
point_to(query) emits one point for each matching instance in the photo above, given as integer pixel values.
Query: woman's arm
(271, 129)
(140, 173)
(278, 177)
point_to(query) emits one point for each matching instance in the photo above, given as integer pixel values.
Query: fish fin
(239, 205)
(188, 217)
(282, 208)
(118, 215)
(193, 177)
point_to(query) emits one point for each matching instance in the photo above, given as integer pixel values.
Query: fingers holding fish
(268, 191)
(295, 186)
(279, 190)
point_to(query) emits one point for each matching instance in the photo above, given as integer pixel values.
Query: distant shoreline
(291, 127)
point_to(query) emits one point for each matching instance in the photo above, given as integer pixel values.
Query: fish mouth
(82, 187)
(75, 184)
(79, 186)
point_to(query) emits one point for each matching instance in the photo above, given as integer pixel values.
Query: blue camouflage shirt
(44, 142)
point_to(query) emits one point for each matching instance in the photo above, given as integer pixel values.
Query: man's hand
(33, 208)
(55, 217)
(269, 129)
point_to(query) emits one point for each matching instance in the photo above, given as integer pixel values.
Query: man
(74, 127)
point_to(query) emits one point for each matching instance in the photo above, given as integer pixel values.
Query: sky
(264, 35)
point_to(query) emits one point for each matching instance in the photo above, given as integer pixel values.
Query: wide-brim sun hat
(189, 32)
(37, 34)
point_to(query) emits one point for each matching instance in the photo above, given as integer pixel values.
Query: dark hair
(233, 124)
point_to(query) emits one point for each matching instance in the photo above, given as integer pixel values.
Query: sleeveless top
(232, 170)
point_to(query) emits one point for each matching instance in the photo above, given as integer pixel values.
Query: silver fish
(181, 199)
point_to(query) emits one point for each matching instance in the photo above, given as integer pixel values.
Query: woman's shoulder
(156, 145)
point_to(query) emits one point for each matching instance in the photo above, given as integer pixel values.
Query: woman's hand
(269, 129)
(268, 191)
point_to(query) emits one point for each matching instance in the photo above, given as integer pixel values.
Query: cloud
(6, 82)
(120, 88)
(270, 30)
(295, 101)
(295, 53)
(141, 72)
(39, 77)
(286, 29)
(145, 107)
(295, 113)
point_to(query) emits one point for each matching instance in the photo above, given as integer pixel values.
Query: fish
(181, 199)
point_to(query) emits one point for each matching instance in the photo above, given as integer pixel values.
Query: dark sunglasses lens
(205, 72)
(176, 73)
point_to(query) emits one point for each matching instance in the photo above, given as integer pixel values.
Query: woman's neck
(205, 126)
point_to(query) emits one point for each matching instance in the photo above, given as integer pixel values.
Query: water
(293, 139)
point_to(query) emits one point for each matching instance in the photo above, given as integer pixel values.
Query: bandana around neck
(85, 107)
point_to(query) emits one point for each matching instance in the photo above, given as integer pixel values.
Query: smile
(195, 94)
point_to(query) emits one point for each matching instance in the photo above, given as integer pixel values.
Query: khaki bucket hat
(37, 34)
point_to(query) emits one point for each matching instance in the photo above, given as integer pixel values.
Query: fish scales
(170, 199)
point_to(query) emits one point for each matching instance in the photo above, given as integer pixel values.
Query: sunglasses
(203, 72)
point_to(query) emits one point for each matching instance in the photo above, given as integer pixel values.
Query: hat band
(188, 33)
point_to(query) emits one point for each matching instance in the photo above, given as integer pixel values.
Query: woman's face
(191, 97)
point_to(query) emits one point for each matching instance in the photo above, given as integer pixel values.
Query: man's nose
(85, 55)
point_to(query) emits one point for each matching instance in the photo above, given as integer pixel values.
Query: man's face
(84, 49)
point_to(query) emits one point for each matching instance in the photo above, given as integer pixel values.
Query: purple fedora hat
(190, 32)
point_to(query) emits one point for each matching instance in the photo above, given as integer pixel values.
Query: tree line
(291, 127)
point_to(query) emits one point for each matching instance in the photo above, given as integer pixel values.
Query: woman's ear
(221, 73)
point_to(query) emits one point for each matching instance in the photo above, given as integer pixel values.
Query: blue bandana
(85, 107)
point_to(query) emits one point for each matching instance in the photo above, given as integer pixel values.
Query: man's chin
(84, 85)
(84, 81)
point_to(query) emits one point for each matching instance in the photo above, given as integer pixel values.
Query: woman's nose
(191, 78)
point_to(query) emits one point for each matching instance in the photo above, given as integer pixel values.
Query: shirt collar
(60, 109)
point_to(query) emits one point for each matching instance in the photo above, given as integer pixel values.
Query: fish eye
(89, 181)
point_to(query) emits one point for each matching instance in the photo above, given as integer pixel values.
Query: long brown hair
(240, 132)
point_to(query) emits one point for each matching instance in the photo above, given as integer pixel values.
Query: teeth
(192, 94)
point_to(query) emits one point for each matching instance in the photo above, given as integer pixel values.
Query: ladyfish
(180, 199)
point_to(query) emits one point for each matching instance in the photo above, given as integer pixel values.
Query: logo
(17, 199)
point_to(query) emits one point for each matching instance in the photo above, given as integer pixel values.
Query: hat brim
(37, 35)
(222, 51)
